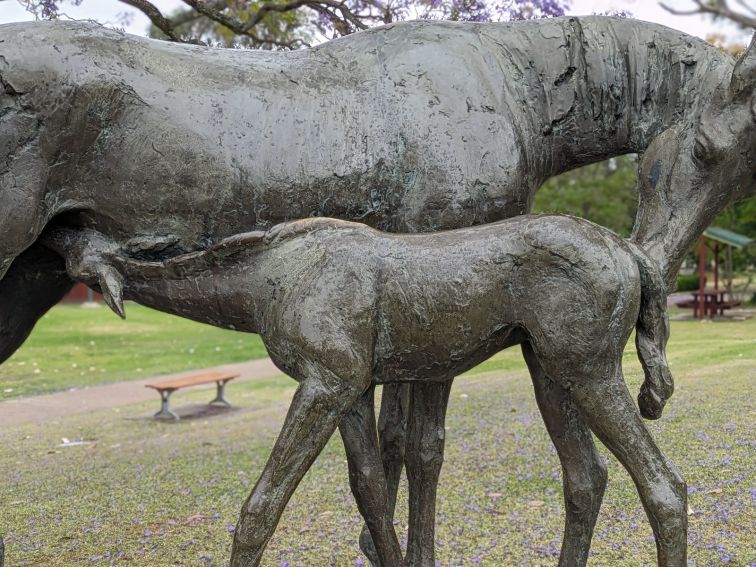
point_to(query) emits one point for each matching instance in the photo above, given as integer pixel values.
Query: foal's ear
(743, 81)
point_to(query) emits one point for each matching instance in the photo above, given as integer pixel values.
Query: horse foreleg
(35, 282)
(320, 403)
(608, 409)
(392, 434)
(583, 472)
(424, 457)
(368, 481)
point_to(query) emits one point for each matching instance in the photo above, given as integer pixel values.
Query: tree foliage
(290, 24)
(722, 42)
(604, 193)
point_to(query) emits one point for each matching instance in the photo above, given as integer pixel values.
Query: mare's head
(692, 171)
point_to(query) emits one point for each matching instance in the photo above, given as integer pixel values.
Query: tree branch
(155, 16)
(751, 9)
(268, 7)
(716, 9)
(190, 15)
(213, 11)
(243, 28)
(235, 25)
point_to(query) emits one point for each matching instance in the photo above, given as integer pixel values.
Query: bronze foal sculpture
(342, 307)
(429, 126)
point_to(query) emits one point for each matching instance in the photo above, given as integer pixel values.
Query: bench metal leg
(165, 412)
(220, 397)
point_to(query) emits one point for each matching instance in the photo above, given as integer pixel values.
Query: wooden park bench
(167, 387)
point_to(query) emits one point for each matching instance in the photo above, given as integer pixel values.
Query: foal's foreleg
(320, 403)
(367, 479)
(583, 472)
(424, 457)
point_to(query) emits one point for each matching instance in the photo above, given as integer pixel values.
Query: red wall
(79, 294)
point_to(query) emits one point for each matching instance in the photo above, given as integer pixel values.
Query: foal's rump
(578, 293)
(574, 290)
(589, 289)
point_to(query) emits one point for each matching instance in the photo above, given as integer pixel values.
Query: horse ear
(743, 81)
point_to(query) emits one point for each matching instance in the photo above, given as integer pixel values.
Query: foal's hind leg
(583, 472)
(367, 479)
(320, 403)
(609, 410)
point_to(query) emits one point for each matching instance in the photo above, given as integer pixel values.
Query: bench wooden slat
(196, 379)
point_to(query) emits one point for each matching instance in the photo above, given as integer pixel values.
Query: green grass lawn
(76, 347)
(168, 494)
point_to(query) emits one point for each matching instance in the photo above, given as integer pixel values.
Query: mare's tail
(651, 334)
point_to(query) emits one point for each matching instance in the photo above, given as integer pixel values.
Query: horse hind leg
(583, 472)
(392, 432)
(367, 479)
(412, 432)
(608, 409)
(424, 458)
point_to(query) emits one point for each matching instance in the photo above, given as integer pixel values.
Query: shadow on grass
(189, 412)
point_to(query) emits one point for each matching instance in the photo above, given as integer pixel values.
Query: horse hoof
(651, 406)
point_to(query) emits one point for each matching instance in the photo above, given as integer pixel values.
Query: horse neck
(609, 86)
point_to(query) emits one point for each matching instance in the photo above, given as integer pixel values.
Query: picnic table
(167, 387)
(714, 302)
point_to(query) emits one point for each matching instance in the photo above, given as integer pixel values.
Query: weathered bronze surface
(692, 170)
(420, 126)
(342, 307)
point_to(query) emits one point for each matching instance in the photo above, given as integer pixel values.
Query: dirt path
(61, 404)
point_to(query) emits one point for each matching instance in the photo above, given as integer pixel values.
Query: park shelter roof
(728, 237)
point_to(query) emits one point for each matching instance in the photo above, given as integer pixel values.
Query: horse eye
(699, 151)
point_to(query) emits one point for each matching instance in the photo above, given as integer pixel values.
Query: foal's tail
(651, 334)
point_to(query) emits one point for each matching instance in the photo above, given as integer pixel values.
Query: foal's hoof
(651, 405)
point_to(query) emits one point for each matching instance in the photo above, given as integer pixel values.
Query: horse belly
(440, 317)
(427, 359)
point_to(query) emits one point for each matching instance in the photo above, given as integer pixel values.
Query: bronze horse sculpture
(342, 307)
(169, 149)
